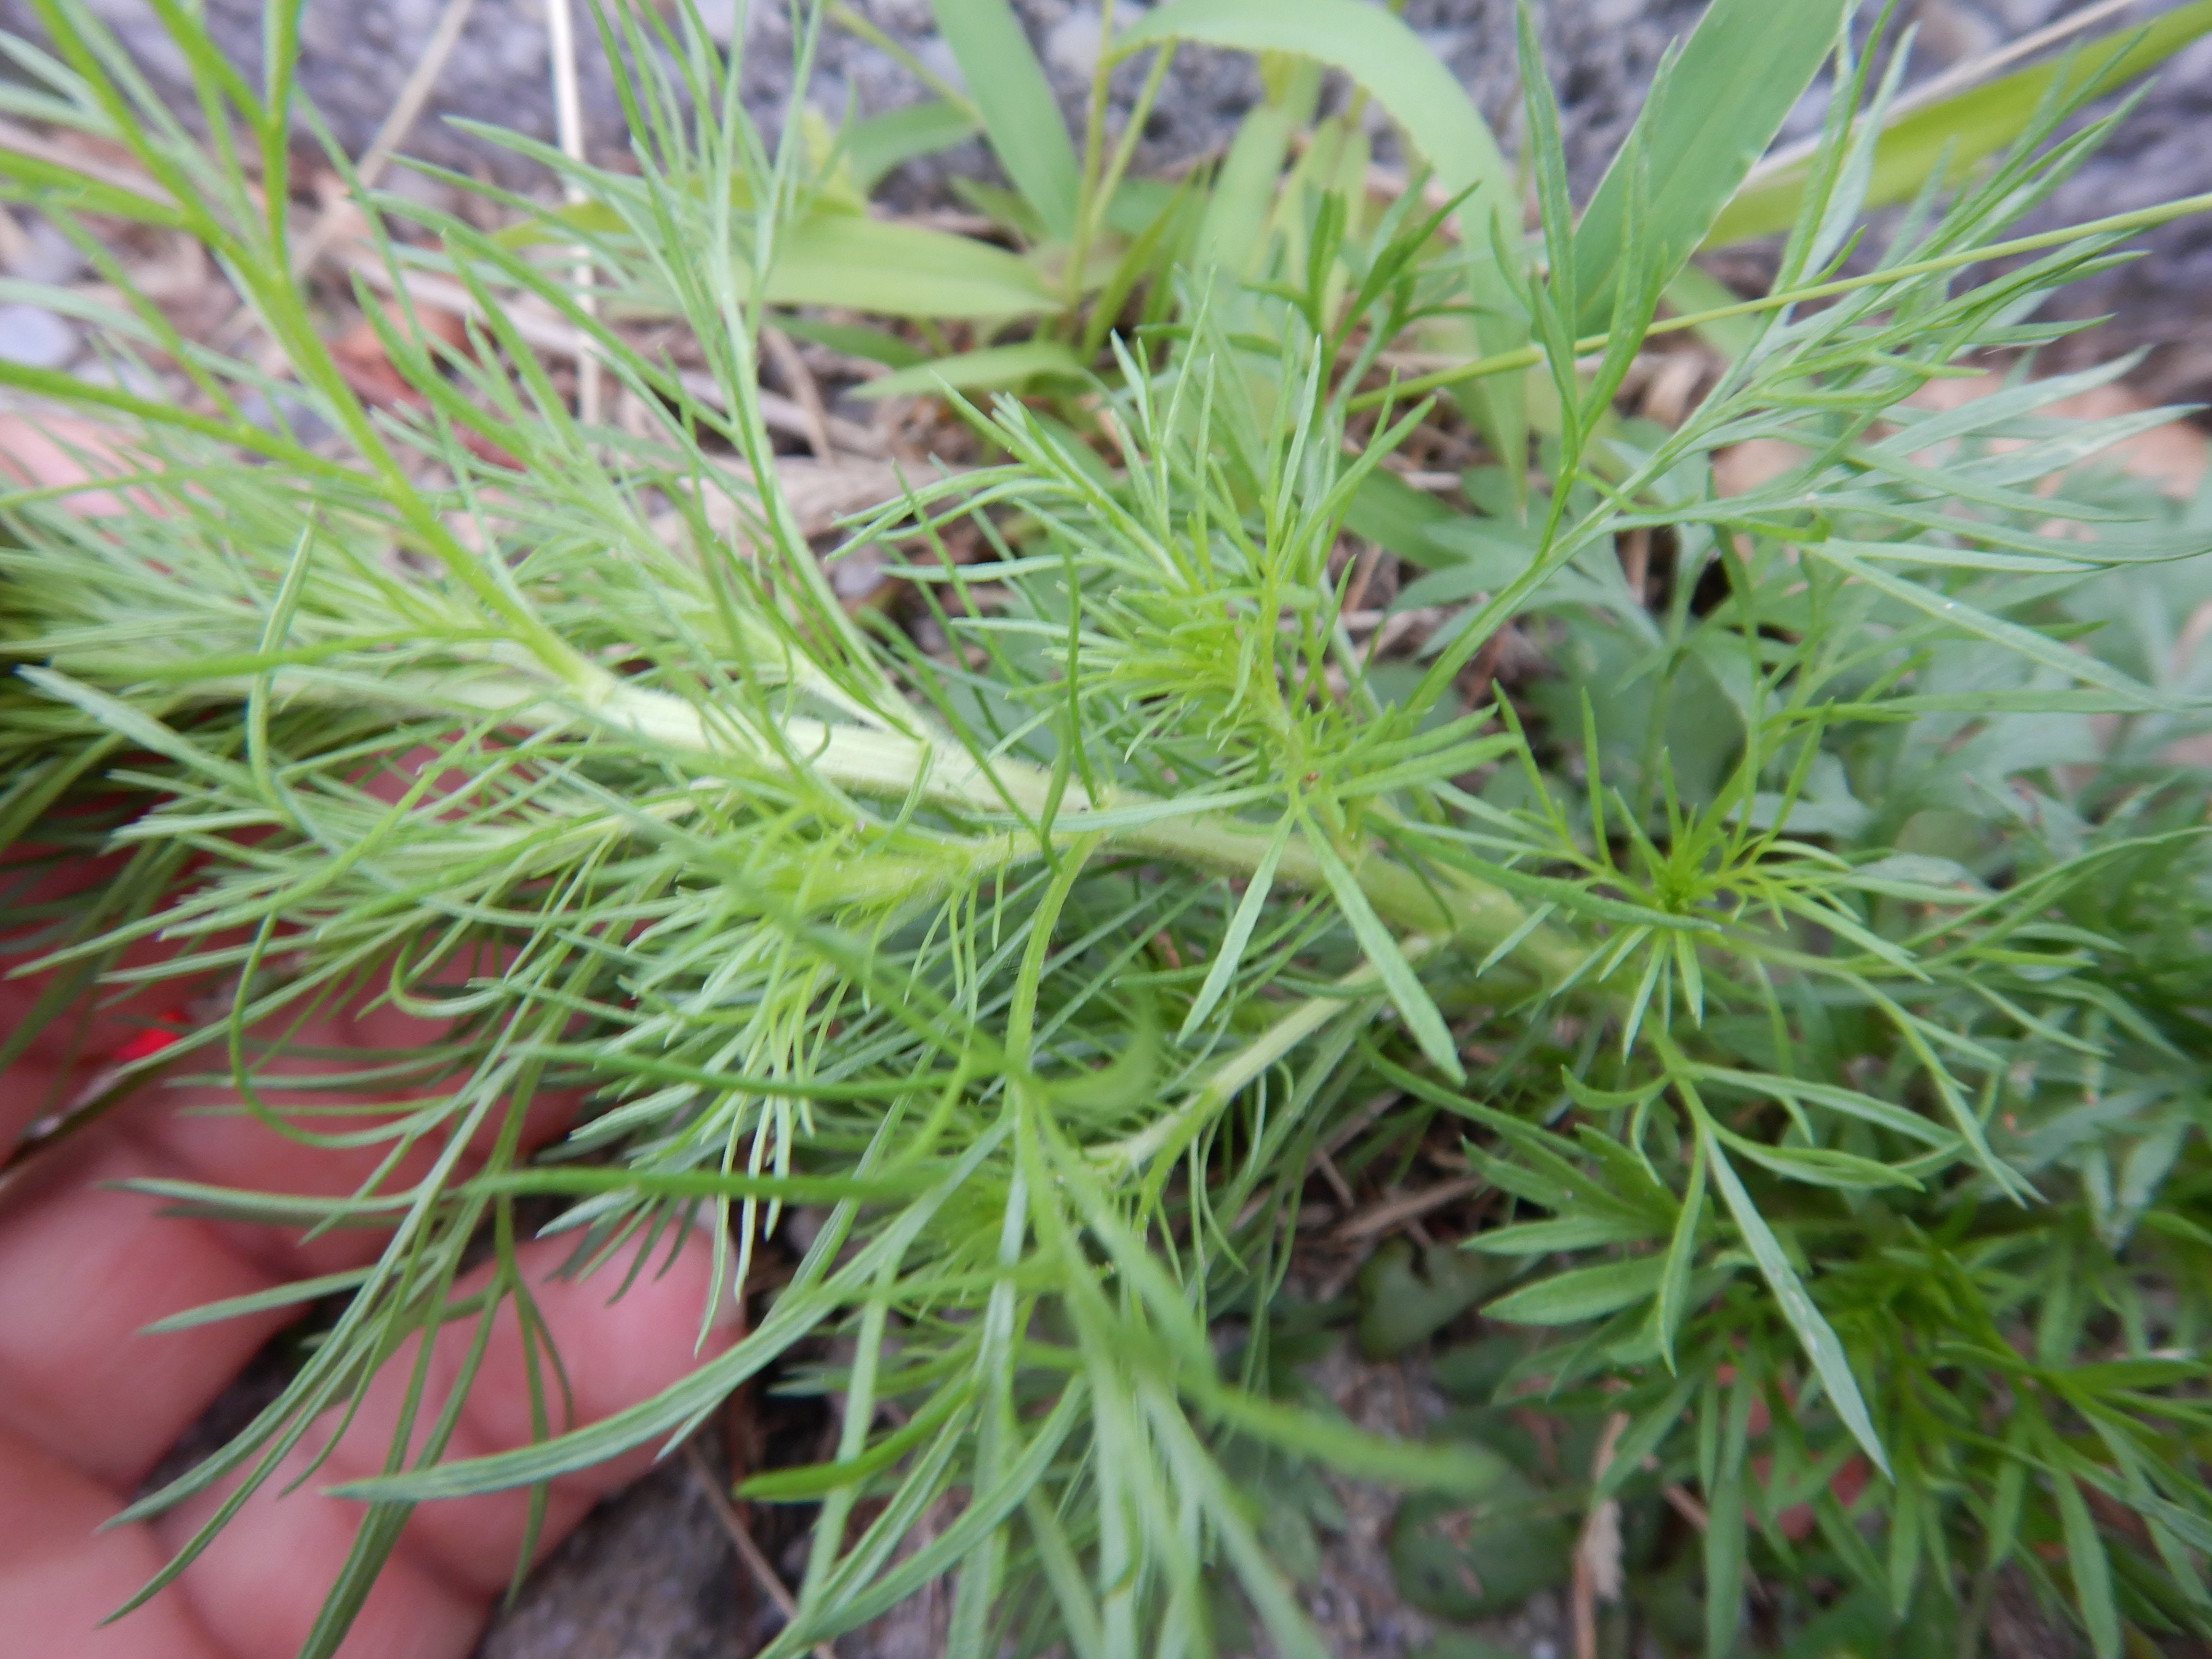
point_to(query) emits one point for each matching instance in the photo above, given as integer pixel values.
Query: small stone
(134, 378)
(857, 573)
(720, 18)
(33, 336)
(47, 255)
(1071, 45)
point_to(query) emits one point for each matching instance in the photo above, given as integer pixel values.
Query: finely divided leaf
(1232, 952)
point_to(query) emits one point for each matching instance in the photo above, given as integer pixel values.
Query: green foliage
(1811, 957)
(1692, 150)
(1945, 138)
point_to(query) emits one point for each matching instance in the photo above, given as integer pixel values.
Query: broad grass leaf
(1232, 235)
(1580, 1293)
(856, 340)
(859, 263)
(1954, 133)
(877, 144)
(1021, 116)
(1740, 72)
(1381, 52)
(993, 368)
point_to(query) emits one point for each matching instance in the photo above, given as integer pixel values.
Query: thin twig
(1679, 1500)
(1597, 1550)
(799, 380)
(784, 415)
(534, 328)
(749, 1550)
(1334, 1177)
(556, 339)
(1341, 1135)
(568, 126)
(406, 110)
(1393, 1212)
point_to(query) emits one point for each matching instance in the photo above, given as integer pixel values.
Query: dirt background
(358, 53)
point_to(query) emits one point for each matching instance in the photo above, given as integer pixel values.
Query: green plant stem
(1099, 191)
(884, 765)
(1094, 146)
(1530, 357)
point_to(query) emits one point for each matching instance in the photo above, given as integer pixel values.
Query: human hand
(89, 1403)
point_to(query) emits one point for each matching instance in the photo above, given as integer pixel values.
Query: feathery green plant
(1810, 963)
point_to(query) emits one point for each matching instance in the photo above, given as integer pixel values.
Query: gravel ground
(358, 52)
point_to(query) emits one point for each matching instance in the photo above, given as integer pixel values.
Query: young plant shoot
(1784, 901)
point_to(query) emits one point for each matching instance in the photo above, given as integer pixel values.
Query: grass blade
(1741, 71)
(1021, 116)
(1957, 133)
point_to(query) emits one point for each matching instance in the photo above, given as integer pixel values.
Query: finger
(87, 1267)
(61, 1049)
(82, 1267)
(60, 1573)
(453, 1556)
(84, 1274)
(57, 450)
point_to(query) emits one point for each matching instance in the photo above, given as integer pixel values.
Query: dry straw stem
(569, 126)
